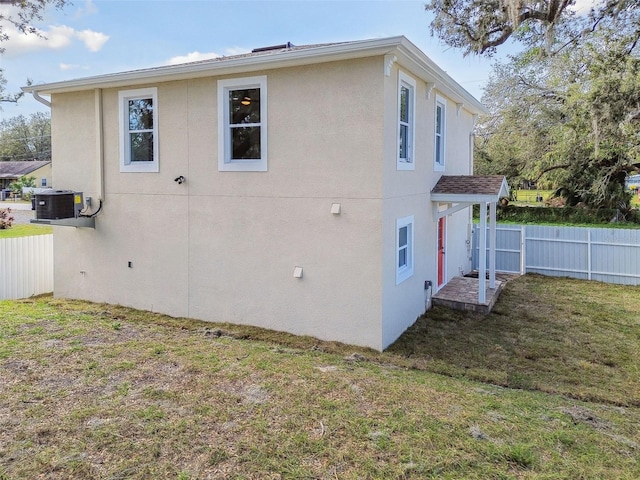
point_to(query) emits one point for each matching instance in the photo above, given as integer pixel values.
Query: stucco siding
(223, 245)
(73, 146)
(241, 265)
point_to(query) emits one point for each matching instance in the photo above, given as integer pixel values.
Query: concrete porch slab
(461, 293)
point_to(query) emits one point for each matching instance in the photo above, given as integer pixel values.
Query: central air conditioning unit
(58, 204)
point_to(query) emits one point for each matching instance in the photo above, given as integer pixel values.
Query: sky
(94, 37)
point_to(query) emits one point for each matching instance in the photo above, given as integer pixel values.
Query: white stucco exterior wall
(223, 245)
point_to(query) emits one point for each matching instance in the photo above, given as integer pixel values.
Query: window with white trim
(440, 131)
(242, 124)
(139, 130)
(404, 249)
(406, 121)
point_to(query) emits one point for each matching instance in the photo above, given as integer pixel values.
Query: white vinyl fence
(26, 266)
(609, 255)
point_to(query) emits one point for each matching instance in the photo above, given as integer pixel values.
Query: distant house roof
(393, 49)
(20, 169)
(470, 188)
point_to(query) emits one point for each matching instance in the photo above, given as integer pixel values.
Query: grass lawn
(17, 230)
(544, 387)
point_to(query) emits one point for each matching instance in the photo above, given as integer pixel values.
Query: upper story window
(242, 124)
(406, 121)
(440, 121)
(139, 130)
(404, 249)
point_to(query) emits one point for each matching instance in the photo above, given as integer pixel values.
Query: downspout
(99, 142)
(37, 97)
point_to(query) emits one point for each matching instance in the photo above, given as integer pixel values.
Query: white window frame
(439, 164)
(404, 271)
(126, 165)
(225, 163)
(408, 162)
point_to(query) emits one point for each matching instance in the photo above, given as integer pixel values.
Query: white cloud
(56, 37)
(89, 8)
(197, 56)
(71, 66)
(94, 41)
(583, 7)
(191, 57)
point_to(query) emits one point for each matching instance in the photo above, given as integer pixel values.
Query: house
(287, 188)
(12, 171)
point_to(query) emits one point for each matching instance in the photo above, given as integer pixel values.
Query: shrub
(5, 218)
(570, 215)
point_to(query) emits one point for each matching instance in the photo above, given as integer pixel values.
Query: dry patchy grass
(105, 392)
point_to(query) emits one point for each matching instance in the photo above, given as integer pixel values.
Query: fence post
(523, 263)
(589, 254)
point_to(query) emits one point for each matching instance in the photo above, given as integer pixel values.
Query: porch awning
(470, 189)
(458, 192)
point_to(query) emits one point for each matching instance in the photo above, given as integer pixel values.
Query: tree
(23, 138)
(479, 26)
(20, 15)
(23, 182)
(570, 120)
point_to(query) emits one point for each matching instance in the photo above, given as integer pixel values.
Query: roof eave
(321, 54)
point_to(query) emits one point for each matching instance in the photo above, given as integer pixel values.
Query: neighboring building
(632, 181)
(12, 171)
(289, 188)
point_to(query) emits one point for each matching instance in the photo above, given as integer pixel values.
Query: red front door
(441, 244)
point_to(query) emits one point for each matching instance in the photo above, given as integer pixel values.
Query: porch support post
(482, 262)
(492, 245)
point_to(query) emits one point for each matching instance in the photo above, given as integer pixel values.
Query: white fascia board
(417, 62)
(217, 67)
(463, 198)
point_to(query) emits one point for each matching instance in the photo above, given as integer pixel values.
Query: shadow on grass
(556, 335)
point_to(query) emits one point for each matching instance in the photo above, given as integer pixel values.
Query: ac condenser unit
(58, 204)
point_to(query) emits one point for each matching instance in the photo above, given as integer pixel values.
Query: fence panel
(606, 254)
(26, 266)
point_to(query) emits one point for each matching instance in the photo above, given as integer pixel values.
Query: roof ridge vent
(273, 47)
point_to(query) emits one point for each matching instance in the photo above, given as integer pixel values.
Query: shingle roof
(470, 185)
(19, 169)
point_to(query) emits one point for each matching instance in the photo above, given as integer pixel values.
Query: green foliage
(568, 122)
(23, 182)
(546, 26)
(565, 215)
(26, 138)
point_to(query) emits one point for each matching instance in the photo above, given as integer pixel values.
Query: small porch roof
(470, 189)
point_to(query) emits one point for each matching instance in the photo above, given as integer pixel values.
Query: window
(139, 130)
(404, 249)
(406, 114)
(43, 182)
(242, 124)
(439, 154)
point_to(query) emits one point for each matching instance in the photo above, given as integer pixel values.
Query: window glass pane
(244, 106)
(402, 257)
(141, 145)
(402, 236)
(439, 119)
(438, 149)
(404, 140)
(404, 104)
(141, 114)
(245, 143)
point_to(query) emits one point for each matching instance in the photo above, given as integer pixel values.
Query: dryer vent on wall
(58, 204)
